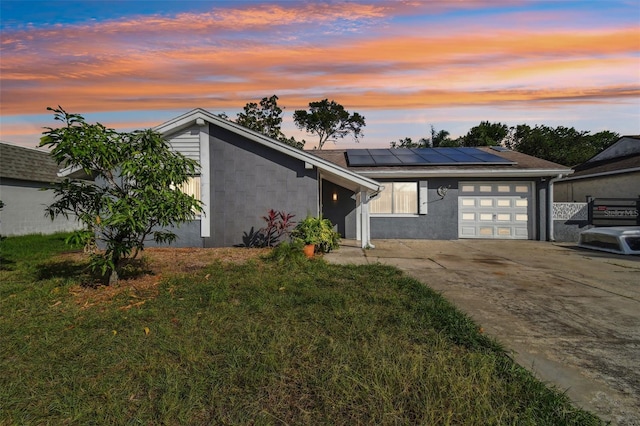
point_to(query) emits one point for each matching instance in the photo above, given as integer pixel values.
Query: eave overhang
(472, 173)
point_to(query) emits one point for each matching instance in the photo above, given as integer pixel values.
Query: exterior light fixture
(334, 197)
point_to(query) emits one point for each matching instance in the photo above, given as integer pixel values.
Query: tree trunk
(113, 278)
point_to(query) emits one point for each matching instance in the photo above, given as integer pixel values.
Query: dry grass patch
(145, 274)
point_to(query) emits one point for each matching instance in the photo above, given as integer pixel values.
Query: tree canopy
(409, 143)
(329, 121)
(439, 138)
(135, 194)
(485, 134)
(563, 145)
(266, 118)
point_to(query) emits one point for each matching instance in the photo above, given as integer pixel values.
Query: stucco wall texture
(248, 179)
(24, 210)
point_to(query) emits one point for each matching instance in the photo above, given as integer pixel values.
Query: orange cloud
(184, 61)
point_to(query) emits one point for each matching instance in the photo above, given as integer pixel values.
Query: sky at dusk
(404, 65)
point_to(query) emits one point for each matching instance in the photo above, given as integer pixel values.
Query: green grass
(259, 343)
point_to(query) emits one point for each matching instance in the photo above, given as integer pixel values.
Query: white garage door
(494, 210)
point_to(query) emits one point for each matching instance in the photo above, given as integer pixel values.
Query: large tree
(563, 145)
(329, 121)
(486, 134)
(135, 193)
(440, 138)
(266, 118)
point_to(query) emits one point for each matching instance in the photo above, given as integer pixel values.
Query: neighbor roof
(519, 165)
(18, 162)
(621, 157)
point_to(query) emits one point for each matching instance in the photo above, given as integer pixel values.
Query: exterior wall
(569, 219)
(248, 179)
(342, 212)
(23, 212)
(188, 236)
(187, 142)
(540, 230)
(625, 185)
(441, 220)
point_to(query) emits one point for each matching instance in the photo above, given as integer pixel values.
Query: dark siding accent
(342, 213)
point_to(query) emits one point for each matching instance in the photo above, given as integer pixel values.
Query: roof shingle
(28, 164)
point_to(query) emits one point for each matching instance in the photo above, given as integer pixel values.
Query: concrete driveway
(570, 315)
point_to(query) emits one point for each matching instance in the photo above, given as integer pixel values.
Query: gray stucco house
(446, 193)
(24, 172)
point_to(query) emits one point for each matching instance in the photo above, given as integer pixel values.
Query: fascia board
(601, 174)
(190, 117)
(74, 172)
(466, 173)
(68, 171)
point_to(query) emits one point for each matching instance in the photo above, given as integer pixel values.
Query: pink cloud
(191, 60)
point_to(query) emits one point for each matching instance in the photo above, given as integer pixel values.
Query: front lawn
(241, 340)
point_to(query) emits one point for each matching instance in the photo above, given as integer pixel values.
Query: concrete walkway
(571, 316)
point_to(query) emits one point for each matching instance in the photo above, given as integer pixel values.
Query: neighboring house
(443, 193)
(613, 173)
(603, 191)
(24, 172)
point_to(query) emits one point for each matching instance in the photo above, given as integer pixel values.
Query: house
(24, 172)
(613, 173)
(603, 191)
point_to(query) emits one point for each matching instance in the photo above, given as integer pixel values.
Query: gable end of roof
(202, 117)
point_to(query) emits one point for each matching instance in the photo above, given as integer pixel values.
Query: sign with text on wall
(615, 212)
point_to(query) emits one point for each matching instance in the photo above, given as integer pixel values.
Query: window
(191, 187)
(396, 198)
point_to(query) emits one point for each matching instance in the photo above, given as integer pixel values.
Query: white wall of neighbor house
(24, 210)
(625, 185)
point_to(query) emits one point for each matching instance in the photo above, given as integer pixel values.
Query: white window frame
(390, 186)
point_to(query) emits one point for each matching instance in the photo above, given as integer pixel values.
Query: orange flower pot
(308, 250)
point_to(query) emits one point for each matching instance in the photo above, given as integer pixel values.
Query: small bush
(290, 253)
(317, 231)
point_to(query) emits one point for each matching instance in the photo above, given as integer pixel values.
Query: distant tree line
(329, 121)
(562, 145)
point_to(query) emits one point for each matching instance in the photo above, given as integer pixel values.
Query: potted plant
(317, 234)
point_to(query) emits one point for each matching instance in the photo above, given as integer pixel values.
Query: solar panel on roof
(386, 160)
(410, 158)
(359, 160)
(435, 158)
(423, 156)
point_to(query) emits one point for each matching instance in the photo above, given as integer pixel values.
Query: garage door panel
(494, 210)
(468, 231)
